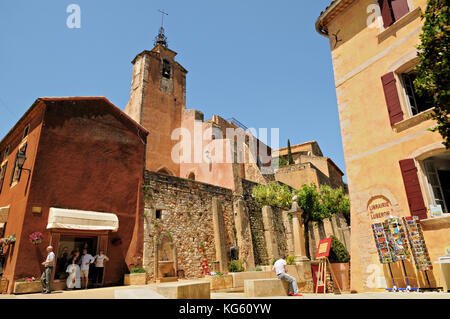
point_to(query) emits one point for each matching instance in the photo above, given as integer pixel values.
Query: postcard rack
(392, 246)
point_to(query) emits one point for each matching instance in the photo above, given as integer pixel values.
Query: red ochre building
(80, 186)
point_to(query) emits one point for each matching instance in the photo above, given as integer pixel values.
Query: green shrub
(338, 252)
(236, 266)
(258, 268)
(138, 270)
(290, 260)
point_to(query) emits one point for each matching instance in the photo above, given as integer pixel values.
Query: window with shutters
(437, 171)
(415, 103)
(412, 188)
(392, 10)
(17, 171)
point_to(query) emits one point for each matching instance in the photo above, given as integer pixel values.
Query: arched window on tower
(191, 176)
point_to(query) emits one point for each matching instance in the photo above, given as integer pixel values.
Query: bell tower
(157, 100)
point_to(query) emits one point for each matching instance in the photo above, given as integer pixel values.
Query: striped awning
(4, 211)
(81, 220)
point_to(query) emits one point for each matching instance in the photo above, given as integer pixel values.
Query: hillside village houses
(89, 176)
(395, 166)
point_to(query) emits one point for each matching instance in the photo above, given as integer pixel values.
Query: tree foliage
(273, 194)
(309, 202)
(338, 252)
(433, 70)
(334, 201)
(290, 158)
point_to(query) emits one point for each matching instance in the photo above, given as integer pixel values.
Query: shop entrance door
(68, 245)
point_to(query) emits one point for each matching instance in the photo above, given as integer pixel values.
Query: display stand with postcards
(399, 242)
(392, 247)
(419, 248)
(384, 252)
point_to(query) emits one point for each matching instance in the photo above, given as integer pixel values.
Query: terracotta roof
(330, 12)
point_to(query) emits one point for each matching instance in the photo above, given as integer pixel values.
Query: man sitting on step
(281, 270)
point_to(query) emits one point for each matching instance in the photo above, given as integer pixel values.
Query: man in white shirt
(86, 260)
(281, 270)
(47, 274)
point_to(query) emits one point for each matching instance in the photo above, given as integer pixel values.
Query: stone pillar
(299, 236)
(155, 259)
(287, 221)
(243, 233)
(269, 234)
(219, 235)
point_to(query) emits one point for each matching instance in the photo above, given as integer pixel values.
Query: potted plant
(219, 280)
(36, 238)
(236, 266)
(339, 259)
(138, 276)
(27, 285)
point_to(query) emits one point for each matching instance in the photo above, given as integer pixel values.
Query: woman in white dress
(74, 281)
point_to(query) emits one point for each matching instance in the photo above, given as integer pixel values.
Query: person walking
(86, 260)
(99, 267)
(46, 276)
(280, 269)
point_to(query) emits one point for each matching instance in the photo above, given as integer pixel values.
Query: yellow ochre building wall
(372, 148)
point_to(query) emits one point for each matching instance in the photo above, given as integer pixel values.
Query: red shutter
(386, 12)
(412, 188)
(400, 8)
(392, 99)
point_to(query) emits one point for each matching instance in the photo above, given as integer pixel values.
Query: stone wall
(276, 227)
(256, 224)
(186, 221)
(179, 211)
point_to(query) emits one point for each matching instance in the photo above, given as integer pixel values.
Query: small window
(166, 71)
(158, 214)
(416, 104)
(2, 174)
(17, 172)
(26, 131)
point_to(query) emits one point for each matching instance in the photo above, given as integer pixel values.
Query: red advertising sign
(324, 248)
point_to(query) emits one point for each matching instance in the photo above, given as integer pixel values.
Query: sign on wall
(379, 207)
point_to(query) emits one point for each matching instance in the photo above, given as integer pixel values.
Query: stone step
(265, 288)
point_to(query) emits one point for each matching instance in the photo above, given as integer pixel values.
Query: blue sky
(261, 62)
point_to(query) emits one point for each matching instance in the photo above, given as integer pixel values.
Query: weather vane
(161, 38)
(162, 16)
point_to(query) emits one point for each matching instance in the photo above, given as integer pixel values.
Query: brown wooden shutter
(386, 12)
(412, 188)
(392, 99)
(399, 8)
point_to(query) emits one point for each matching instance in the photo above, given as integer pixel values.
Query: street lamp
(21, 158)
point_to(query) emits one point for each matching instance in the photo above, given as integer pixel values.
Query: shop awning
(4, 211)
(81, 220)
